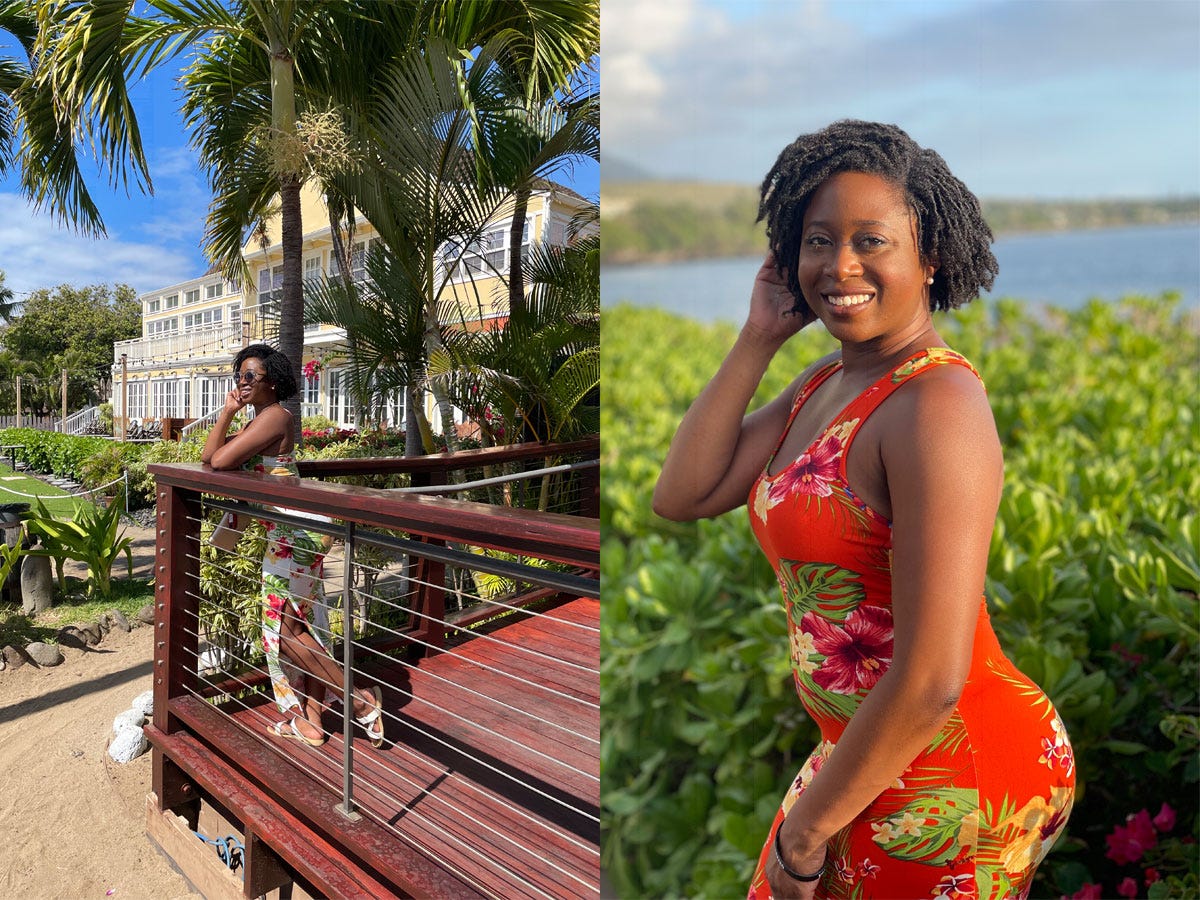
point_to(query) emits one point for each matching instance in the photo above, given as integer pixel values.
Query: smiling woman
(873, 483)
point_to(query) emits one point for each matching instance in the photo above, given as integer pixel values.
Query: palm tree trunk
(516, 274)
(291, 310)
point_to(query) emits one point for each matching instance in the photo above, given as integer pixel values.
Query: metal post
(124, 396)
(64, 401)
(18, 401)
(346, 807)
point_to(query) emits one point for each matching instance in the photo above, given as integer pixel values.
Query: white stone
(130, 718)
(127, 744)
(144, 703)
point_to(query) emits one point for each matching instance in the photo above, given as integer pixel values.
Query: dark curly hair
(950, 226)
(278, 366)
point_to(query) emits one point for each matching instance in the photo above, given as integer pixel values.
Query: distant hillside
(662, 221)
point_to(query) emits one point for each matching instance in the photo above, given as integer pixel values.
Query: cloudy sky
(1024, 98)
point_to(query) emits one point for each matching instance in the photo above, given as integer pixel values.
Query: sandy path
(71, 819)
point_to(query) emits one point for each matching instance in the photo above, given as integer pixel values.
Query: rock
(91, 633)
(44, 654)
(116, 619)
(130, 718)
(14, 657)
(71, 636)
(144, 703)
(146, 614)
(127, 744)
(37, 584)
(103, 624)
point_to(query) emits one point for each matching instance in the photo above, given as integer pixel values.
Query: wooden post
(245, 333)
(64, 402)
(18, 401)
(124, 397)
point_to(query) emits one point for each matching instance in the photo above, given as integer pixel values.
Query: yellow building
(180, 367)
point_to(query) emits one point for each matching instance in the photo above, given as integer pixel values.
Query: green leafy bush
(53, 452)
(1092, 583)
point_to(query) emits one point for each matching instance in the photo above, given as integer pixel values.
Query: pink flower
(1089, 892)
(856, 655)
(868, 869)
(1130, 841)
(1165, 820)
(955, 886)
(1151, 876)
(811, 473)
(1127, 888)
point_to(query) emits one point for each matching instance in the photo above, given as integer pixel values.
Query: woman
(294, 560)
(873, 483)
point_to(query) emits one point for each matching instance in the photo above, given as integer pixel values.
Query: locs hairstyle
(279, 368)
(950, 226)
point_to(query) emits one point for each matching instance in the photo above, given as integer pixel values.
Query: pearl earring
(929, 280)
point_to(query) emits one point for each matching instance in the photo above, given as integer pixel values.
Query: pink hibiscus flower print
(812, 472)
(857, 654)
(955, 886)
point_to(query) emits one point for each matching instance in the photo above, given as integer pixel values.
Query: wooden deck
(488, 783)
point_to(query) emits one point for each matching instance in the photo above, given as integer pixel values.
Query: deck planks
(507, 803)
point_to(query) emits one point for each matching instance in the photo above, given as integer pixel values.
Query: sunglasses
(248, 377)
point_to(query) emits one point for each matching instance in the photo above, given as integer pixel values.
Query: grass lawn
(14, 485)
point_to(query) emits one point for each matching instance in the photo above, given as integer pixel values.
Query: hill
(664, 221)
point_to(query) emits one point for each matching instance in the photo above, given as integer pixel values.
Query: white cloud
(701, 92)
(36, 253)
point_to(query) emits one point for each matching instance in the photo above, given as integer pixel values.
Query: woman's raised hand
(234, 402)
(770, 306)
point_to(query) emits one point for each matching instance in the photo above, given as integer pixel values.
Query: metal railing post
(346, 807)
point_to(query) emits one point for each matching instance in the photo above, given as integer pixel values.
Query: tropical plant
(93, 537)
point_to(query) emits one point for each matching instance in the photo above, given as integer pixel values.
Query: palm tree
(8, 301)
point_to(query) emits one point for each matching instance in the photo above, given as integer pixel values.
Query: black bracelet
(787, 871)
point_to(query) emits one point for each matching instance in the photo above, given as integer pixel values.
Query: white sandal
(287, 729)
(373, 718)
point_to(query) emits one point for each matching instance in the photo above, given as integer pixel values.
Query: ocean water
(1064, 269)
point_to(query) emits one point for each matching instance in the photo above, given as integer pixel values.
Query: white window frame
(486, 257)
(192, 296)
(214, 291)
(171, 301)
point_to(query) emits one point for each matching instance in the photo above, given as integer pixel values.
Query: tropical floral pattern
(292, 584)
(978, 810)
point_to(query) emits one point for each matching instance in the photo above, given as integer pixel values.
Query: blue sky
(152, 241)
(1024, 98)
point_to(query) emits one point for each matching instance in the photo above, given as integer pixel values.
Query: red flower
(857, 655)
(1151, 876)
(1165, 820)
(1127, 888)
(812, 472)
(1089, 892)
(1130, 841)
(868, 869)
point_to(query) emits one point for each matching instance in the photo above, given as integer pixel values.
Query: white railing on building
(213, 341)
(78, 423)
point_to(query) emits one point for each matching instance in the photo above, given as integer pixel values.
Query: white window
(394, 409)
(137, 400)
(213, 389)
(358, 257)
(202, 319)
(235, 312)
(270, 291)
(171, 301)
(214, 291)
(487, 256)
(312, 268)
(153, 306)
(339, 397)
(165, 397)
(312, 389)
(192, 296)
(183, 397)
(161, 326)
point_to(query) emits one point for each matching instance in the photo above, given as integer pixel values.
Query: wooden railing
(202, 751)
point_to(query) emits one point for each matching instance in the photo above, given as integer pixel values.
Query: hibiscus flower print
(1057, 750)
(857, 654)
(802, 650)
(811, 473)
(955, 886)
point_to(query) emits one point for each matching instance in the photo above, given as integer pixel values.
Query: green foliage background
(1092, 582)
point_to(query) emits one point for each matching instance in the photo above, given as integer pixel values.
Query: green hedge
(53, 452)
(1092, 582)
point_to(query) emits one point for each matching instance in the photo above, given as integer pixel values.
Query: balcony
(214, 342)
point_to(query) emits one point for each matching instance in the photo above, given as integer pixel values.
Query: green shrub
(141, 481)
(1092, 583)
(54, 453)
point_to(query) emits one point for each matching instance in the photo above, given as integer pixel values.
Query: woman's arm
(944, 473)
(718, 450)
(222, 451)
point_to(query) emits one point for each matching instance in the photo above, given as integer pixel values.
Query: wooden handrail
(568, 539)
(446, 462)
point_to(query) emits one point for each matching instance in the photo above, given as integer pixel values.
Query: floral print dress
(292, 580)
(979, 808)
